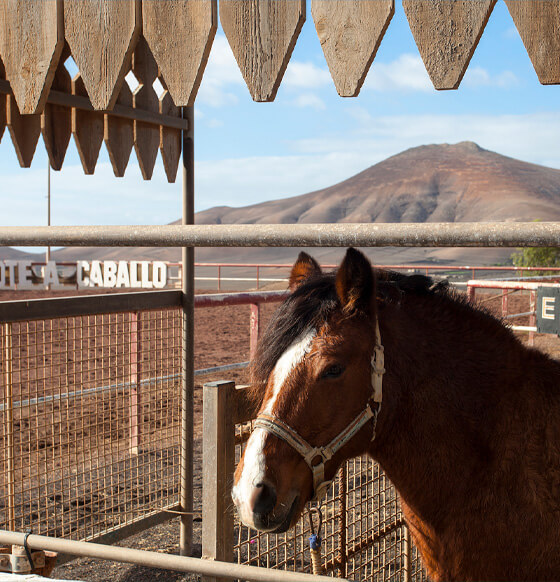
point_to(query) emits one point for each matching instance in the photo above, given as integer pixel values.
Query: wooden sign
(262, 35)
(180, 35)
(350, 32)
(102, 35)
(538, 23)
(548, 310)
(447, 33)
(31, 41)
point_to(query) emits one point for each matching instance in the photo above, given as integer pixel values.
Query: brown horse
(467, 426)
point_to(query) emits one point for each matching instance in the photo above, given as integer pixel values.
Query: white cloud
(406, 73)
(306, 75)
(222, 77)
(309, 100)
(479, 77)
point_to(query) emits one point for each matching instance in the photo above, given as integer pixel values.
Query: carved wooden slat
(180, 34)
(170, 139)
(538, 23)
(24, 131)
(350, 32)
(2, 103)
(102, 35)
(447, 33)
(119, 135)
(87, 129)
(56, 121)
(31, 40)
(262, 35)
(146, 136)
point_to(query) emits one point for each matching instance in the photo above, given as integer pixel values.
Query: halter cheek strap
(316, 457)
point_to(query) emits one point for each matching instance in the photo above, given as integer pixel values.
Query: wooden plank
(87, 129)
(262, 35)
(2, 103)
(24, 131)
(538, 24)
(56, 121)
(192, 25)
(218, 456)
(146, 136)
(350, 32)
(119, 134)
(31, 41)
(170, 139)
(447, 33)
(102, 35)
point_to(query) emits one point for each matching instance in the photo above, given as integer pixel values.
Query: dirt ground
(222, 336)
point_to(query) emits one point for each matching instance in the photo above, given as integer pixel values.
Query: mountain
(433, 183)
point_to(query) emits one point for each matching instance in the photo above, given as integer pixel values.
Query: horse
(463, 418)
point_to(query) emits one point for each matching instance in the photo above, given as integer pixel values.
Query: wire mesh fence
(90, 409)
(364, 535)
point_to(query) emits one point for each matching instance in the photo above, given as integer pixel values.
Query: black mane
(310, 305)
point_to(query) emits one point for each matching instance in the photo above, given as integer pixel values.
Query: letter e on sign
(548, 313)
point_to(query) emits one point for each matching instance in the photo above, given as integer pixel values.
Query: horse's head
(314, 382)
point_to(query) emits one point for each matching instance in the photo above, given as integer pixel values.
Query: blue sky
(309, 137)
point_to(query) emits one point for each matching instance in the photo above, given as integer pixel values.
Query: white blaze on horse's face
(254, 461)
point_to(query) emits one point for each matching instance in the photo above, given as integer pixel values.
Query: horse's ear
(304, 268)
(355, 283)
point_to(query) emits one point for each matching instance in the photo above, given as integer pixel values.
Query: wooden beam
(538, 24)
(192, 25)
(262, 35)
(447, 33)
(31, 42)
(102, 35)
(350, 32)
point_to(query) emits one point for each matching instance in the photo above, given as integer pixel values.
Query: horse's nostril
(263, 499)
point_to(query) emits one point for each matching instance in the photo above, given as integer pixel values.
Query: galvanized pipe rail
(466, 234)
(157, 560)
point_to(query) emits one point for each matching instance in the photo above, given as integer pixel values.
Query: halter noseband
(316, 457)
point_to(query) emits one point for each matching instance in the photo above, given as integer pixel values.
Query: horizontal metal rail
(83, 103)
(157, 560)
(466, 234)
(519, 285)
(52, 307)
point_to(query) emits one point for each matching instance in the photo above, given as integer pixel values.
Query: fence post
(258, 277)
(255, 329)
(218, 460)
(134, 408)
(9, 425)
(406, 554)
(470, 293)
(342, 553)
(533, 316)
(505, 302)
(219, 277)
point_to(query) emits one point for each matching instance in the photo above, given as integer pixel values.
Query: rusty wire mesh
(90, 410)
(364, 534)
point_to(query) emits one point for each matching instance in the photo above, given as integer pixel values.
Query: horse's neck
(442, 405)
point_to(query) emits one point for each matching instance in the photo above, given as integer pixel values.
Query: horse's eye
(333, 371)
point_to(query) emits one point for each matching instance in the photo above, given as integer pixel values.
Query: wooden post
(255, 329)
(470, 293)
(533, 316)
(219, 278)
(134, 409)
(406, 554)
(9, 424)
(218, 458)
(505, 302)
(342, 501)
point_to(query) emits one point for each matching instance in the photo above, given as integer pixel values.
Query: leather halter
(316, 457)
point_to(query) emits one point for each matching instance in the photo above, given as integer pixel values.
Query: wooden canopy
(170, 40)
